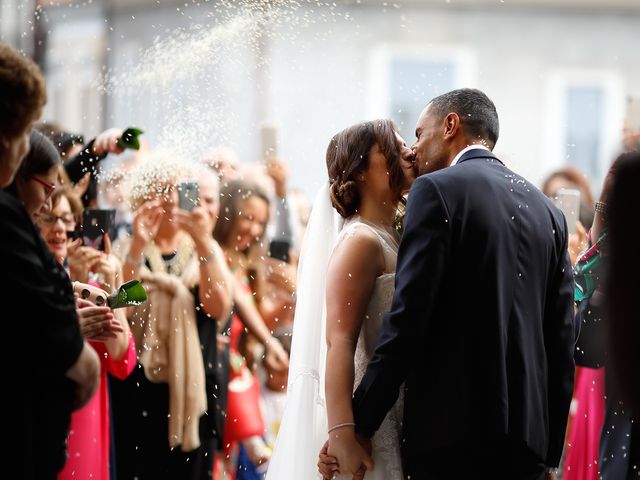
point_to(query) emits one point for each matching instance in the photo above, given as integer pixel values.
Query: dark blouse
(39, 290)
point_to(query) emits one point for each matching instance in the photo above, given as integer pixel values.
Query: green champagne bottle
(587, 273)
(586, 278)
(129, 138)
(129, 294)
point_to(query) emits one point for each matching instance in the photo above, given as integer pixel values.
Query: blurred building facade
(560, 72)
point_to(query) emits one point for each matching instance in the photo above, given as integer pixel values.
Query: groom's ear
(451, 125)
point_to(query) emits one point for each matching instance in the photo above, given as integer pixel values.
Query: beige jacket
(166, 334)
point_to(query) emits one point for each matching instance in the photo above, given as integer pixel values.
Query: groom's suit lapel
(478, 153)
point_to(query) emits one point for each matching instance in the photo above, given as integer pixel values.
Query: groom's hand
(327, 465)
(352, 458)
(366, 444)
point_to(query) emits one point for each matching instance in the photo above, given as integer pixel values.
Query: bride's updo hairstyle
(348, 156)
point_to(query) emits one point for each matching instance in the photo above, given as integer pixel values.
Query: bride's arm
(351, 277)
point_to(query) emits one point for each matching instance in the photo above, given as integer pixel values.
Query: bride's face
(377, 176)
(407, 163)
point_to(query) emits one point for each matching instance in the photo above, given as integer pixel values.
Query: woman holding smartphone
(189, 289)
(88, 445)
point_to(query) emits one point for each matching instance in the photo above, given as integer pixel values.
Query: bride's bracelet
(340, 425)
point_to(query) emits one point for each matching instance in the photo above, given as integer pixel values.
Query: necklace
(175, 265)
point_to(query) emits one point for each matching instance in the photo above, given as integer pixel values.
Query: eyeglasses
(48, 187)
(48, 220)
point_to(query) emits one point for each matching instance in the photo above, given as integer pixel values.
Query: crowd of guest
(192, 383)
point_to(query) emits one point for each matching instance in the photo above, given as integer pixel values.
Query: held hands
(327, 465)
(346, 452)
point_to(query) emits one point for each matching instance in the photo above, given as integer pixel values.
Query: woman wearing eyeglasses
(34, 185)
(37, 177)
(83, 263)
(88, 444)
(55, 224)
(107, 331)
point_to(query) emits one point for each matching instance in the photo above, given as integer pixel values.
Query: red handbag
(244, 415)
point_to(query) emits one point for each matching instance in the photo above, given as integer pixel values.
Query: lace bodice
(388, 240)
(386, 441)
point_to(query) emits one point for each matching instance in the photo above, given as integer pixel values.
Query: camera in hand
(74, 234)
(95, 223)
(188, 195)
(279, 249)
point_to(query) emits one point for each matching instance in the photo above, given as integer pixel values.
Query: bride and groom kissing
(459, 336)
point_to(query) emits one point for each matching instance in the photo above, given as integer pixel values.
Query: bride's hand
(349, 452)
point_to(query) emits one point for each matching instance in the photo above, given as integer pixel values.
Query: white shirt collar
(465, 150)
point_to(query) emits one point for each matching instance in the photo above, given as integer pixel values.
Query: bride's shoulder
(356, 233)
(357, 243)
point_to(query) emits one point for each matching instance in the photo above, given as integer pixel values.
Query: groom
(481, 330)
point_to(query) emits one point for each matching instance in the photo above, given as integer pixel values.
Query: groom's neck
(460, 143)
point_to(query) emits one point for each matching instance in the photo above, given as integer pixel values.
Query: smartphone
(279, 249)
(73, 234)
(568, 200)
(188, 195)
(269, 141)
(95, 223)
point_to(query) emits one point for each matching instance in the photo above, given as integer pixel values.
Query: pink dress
(581, 455)
(89, 432)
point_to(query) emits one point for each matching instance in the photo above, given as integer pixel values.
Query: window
(405, 78)
(584, 119)
(585, 110)
(413, 82)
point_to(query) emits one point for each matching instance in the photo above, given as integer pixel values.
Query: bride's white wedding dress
(303, 429)
(386, 441)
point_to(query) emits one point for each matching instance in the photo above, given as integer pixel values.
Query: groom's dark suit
(481, 329)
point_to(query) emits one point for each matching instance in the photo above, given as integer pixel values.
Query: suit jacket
(481, 328)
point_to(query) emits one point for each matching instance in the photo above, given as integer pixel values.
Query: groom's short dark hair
(476, 111)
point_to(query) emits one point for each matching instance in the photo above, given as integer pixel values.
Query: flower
(398, 221)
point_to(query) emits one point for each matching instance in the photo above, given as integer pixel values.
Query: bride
(350, 260)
